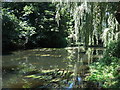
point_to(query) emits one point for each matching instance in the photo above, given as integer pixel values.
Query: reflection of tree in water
(27, 67)
(52, 77)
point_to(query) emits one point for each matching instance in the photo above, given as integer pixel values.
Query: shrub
(113, 49)
(107, 70)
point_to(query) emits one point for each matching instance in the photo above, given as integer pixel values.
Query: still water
(48, 67)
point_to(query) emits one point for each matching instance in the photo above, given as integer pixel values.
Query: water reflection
(63, 67)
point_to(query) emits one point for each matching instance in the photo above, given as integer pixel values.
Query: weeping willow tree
(92, 21)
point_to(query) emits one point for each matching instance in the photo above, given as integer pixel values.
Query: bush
(53, 39)
(107, 70)
(113, 49)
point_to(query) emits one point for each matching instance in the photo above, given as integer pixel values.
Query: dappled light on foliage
(61, 44)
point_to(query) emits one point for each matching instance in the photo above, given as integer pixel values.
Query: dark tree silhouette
(118, 16)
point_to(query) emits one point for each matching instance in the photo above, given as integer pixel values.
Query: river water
(20, 67)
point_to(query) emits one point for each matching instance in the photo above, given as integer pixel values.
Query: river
(48, 67)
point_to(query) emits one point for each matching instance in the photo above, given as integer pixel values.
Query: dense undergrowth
(106, 71)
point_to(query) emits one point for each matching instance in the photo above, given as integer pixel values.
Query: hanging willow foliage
(93, 21)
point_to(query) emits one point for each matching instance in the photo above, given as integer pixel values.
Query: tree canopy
(84, 23)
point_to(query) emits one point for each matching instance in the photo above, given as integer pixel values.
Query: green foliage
(26, 25)
(89, 21)
(113, 49)
(85, 22)
(53, 39)
(105, 74)
(106, 70)
(14, 29)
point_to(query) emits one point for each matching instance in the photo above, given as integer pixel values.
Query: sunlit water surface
(18, 64)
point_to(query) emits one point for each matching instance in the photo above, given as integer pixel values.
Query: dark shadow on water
(9, 52)
(6, 53)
